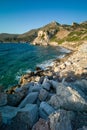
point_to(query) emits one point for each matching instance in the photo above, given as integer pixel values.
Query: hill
(50, 34)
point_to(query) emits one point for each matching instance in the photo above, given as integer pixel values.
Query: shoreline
(55, 97)
(42, 67)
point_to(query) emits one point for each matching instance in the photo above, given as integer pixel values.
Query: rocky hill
(51, 34)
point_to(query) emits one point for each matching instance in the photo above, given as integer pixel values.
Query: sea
(17, 59)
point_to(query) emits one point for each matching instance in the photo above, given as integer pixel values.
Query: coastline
(57, 92)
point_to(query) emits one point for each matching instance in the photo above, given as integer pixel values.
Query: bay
(17, 59)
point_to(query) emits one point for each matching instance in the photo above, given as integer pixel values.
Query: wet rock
(3, 99)
(45, 110)
(41, 125)
(38, 68)
(61, 120)
(37, 78)
(43, 95)
(30, 98)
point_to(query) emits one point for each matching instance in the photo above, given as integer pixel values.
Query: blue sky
(19, 16)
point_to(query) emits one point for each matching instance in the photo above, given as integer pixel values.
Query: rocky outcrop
(42, 38)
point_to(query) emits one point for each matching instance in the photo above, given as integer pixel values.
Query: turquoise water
(17, 59)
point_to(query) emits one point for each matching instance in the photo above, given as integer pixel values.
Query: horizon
(20, 17)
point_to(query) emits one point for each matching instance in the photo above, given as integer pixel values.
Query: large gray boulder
(68, 98)
(8, 112)
(45, 110)
(25, 118)
(3, 99)
(30, 98)
(61, 120)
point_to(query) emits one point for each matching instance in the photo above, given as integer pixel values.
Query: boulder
(35, 88)
(15, 99)
(3, 99)
(61, 120)
(8, 112)
(41, 125)
(30, 98)
(69, 99)
(45, 110)
(25, 118)
(54, 84)
(46, 84)
(82, 84)
(43, 95)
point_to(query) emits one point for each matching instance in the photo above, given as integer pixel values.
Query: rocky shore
(50, 99)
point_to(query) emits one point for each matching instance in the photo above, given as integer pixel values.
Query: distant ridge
(53, 33)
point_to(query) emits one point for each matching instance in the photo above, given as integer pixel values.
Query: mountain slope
(50, 34)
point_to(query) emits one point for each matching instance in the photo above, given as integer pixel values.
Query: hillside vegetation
(50, 34)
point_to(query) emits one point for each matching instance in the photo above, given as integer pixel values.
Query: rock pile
(51, 99)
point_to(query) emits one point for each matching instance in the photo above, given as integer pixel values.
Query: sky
(20, 16)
